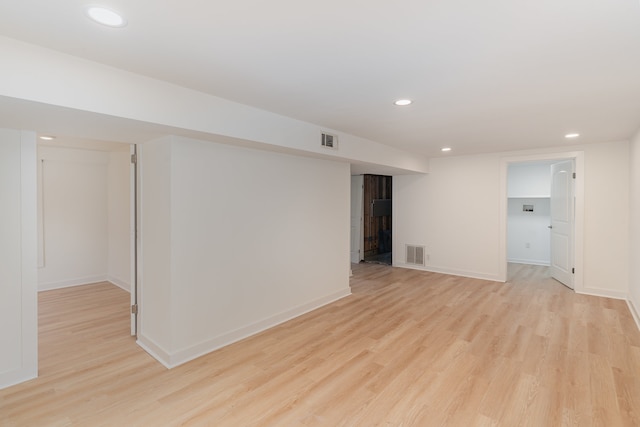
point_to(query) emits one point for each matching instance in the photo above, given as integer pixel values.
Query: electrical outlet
(527, 245)
(426, 257)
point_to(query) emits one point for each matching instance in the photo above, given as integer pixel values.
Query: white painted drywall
(85, 217)
(528, 234)
(155, 317)
(529, 180)
(118, 217)
(38, 74)
(236, 240)
(454, 211)
(606, 245)
(18, 258)
(634, 226)
(75, 217)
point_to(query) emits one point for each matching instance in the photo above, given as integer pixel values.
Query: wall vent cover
(414, 255)
(329, 141)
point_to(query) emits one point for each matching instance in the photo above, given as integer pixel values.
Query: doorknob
(549, 226)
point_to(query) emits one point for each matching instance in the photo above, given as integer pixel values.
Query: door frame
(133, 236)
(578, 237)
(356, 225)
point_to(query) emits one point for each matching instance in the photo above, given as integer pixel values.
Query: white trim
(528, 262)
(154, 350)
(73, 282)
(134, 179)
(605, 293)
(453, 272)
(122, 284)
(171, 360)
(633, 308)
(81, 281)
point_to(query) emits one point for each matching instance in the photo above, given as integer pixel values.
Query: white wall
(528, 234)
(529, 179)
(119, 219)
(74, 204)
(240, 240)
(454, 211)
(85, 216)
(18, 258)
(634, 229)
(155, 317)
(606, 245)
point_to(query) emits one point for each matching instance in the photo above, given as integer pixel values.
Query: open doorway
(541, 218)
(371, 219)
(376, 219)
(86, 224)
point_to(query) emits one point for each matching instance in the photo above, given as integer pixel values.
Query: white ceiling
(485, 76)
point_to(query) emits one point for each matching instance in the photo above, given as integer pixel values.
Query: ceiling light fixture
(105, 16)
(403, 102)
(445, 149)
(572, 135)
(47, 138)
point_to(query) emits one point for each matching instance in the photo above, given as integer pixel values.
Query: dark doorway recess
(377, 219)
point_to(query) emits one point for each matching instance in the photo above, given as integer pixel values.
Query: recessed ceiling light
(105, 16)
(572, 135)
(403, 102)
(47, 137)
(445, 149)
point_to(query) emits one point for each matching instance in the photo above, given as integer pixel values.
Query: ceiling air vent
(414, 255)
(329, 141)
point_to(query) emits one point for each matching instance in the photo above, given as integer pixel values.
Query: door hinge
(134, 309)
(574, 175)
(573, 271)
(134, 159)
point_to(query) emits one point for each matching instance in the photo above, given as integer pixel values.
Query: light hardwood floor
(408, 348)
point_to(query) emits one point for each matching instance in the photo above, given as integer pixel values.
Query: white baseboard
(154, 350)
(633, 307)
(453, 272)
(529, 262)
(122, 284)
(11, 378)
(171, 360)
(71, 282)
(602, 293)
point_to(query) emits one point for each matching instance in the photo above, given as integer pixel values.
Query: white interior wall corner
(634, 225)
(18, 248)
(458, 211)
(119, 221)
(240, 221)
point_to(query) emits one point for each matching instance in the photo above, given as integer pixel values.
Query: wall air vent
(329, 141)
(414, 255)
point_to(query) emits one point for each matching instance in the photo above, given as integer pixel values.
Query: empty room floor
(408, 348)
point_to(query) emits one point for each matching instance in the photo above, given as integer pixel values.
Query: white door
(357, 200)
(133, 236)
(562, 218)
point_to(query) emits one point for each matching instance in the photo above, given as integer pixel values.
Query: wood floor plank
(407, 348)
